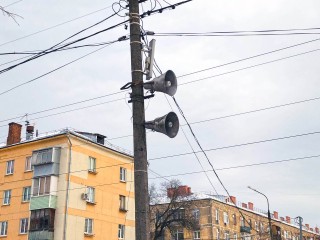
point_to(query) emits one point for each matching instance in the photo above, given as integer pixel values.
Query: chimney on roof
(233, 200)
(307, 226)
(316, 229)
(282, 218)
(244, 205)
(275, 215)
(288, 219)
(14, 134)
(179, 191)
(250, 205)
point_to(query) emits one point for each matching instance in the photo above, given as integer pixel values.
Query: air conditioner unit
(84, 196)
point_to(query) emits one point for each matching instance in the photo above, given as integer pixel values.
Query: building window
(42, 156)
(256, 226)
(42, 219)
(226, 236)
(122, 200)
(3, 228)
(26, 194)
(225, 218)
(196, 235)
(23, 225)
(27, 166)
(196, 214)
(121, 230)
(241, 222)
(10, 167)
(217, 216)
(234, 218)
(235, 236)
(92, 165)
(88, 226)
(90, 194)
(261, 227)
(250, 223)
(178, 235)
(41, 186)
(123, 174)
(218, 234)
(6, 197)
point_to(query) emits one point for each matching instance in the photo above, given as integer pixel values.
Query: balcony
(45, 201)
(245, 229)
(36, 235)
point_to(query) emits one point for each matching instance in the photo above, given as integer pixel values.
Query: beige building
(64, 185)
(218, 218)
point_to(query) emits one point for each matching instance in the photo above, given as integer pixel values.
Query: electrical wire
(239, 145)
(235, 35)
(249, 67)
(251, 57)
(57, 25)
(62, 106)
(47, 73)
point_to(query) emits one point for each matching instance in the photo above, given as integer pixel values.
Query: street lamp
(269, 215)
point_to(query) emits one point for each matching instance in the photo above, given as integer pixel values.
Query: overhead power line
(54, 26)
(234, 35)
(239, 145)
(62, 66)
(251, 57)
(242, 166)
(249, 67)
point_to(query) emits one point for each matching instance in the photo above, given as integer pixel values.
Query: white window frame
(10, 167)
(196, 235)
(3, 228)
(23, 226)
(26, 194)
(6, 197)
(176, 234)
(225, 218)
(123, 174)
(196, 214)
(88, 226)
(226, 236)
(92, 164)
(242, 222)
(121, 231)
(235, 236)
(218, 234)
(122, 203)
(45, 190)
(217, 216)
(91, 194)
(256, 225)
(28, 165)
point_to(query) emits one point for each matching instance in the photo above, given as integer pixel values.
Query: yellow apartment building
(218, 218)
(65, 185)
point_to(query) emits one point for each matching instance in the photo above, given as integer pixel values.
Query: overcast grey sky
(292, 187)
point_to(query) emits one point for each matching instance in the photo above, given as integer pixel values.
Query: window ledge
(26, 171)
(123, 181)
(6, 205)
(3, 236)
(91, 203)
(8, 174)
(94, 172)
(23, 233)
(25, 201)
(123, 210)
(89, 234)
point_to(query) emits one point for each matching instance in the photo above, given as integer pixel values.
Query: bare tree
(10, 14)
(171, 209)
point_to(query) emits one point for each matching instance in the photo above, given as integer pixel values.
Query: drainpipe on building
(67, 190)
(211, 219)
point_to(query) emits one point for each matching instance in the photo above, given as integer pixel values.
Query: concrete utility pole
(139, 133)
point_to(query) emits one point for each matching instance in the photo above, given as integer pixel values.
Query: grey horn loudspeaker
(166, 83)
(167, 124)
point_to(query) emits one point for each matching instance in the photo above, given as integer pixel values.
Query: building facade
(64, 185)
(223, 218)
